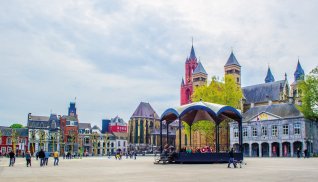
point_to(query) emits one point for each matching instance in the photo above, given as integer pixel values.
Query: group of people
(305, 154)
(205, 149)
(42, 155)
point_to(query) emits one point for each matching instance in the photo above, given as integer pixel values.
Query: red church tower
(187, 84)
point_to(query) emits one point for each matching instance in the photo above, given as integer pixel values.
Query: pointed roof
(144, 110)
(232, 61)
(299, 73)
(269, 76)
(192, 53)
(182, 82)
(199, 69)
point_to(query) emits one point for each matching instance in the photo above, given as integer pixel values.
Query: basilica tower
(187, 84)
(234, 68)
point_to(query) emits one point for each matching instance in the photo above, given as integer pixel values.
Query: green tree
(16, 125)
(309, 90)
(225, 92)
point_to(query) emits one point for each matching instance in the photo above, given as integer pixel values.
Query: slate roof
(299, 73)
(144, 110)
(22, 132)
(269, 76)
(117, 120)
(84, 126)
(192, 53)
(263, 92)
(199, 69)
(285, 110)
(38, 122)
(95, 127)
(232, 60)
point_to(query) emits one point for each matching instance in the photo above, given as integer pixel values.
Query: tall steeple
(269, 76)
(299, 73)
(192, 53)
(232, 60)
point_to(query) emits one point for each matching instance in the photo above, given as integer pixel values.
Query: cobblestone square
(143, 169)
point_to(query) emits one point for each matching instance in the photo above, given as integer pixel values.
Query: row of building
(272, 123)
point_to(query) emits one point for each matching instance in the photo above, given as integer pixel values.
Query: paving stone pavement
(104, 169)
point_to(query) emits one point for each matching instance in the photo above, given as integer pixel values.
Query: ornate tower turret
(199, 76)
(269, 77)
(233, 67)
(299, 76)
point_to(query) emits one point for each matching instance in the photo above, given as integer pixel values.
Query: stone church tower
(187, 84)
(234, 68)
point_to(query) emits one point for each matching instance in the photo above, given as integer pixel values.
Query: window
(297, 129)
(285, 129)
(124, 144)
(264, 131)
(3, 150)
(118, 144)
(112, 145)
(86, 140)
(244, 132)
(53, 124)
(274, 130)
(86, 131)
(236, 133)
(254, 132)
(9, 149)
(9, 141)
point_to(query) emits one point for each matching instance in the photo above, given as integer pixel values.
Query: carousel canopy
(199, 111)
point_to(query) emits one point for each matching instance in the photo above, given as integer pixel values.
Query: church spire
(269, 76)
(182, 82)
(192, 53)
(232, 60)
(299, 73)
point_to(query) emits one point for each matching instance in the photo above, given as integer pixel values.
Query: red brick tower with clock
(187, 84)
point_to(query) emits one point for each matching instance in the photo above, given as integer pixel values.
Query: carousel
(190, 114)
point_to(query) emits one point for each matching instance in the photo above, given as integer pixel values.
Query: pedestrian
(28, 158)
(305, 153)
(37, 155)
(12, 158)
(135, 155)
(47, 156)
(231, 155)
(42, 157)
(56, 158)
(298, 152)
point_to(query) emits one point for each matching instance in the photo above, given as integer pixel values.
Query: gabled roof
(299, 73)
(199, 69)
(95, 127)
(84, 126)
(269, 76)
(117, 119)
(38, 122)
(232, 60)
(263, 92)
(144, 110)
(284, 110)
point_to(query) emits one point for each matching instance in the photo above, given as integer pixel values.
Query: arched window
(53, 125)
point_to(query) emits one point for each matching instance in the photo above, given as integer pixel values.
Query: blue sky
(113, 54)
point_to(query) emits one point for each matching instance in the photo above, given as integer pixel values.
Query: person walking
(28, 158)
(12, 158)
(42, 157)
(47, 156)
(231, 155)
(56, 158)
(298, 152)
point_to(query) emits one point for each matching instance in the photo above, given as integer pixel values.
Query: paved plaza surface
(143, 169)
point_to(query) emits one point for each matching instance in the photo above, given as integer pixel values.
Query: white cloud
(113, 54)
